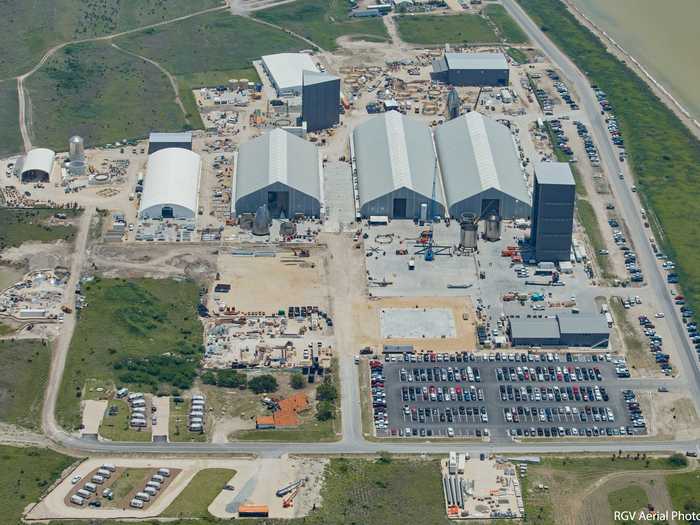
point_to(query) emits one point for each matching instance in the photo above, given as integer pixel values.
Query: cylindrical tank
(468, 232)
(233, 84)
(261, 224)
(76, 149)
(242, 83)
(493, 228)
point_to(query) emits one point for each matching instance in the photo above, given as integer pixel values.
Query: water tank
(468, 232)
(261, 224)
(76, 149)
(493, 228)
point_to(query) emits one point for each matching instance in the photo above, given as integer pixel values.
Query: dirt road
(62, 343)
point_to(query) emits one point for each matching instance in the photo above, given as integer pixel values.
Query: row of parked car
(461, 414)
(558, 432)
(634, 410)
(589, 145)
(631, 264)
(655, 344)
(442, 393)
(444, 374)
(568, 393)
(542, 374)
(380, 414)
(561, 138)
(517, 414)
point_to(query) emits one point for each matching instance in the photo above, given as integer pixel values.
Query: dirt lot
(366, 317)
(671, 415)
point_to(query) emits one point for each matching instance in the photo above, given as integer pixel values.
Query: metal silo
(76, 148)
(493, 228)
(468, 233)
(262, 222)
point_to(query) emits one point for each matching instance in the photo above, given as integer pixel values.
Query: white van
(76, 499)
(83, 493)
(140, 402)
(122, 392)
(136, 503)
(165, 472)
(150, 491)
(142, 496)
(110, 467)
(90, 487)
(133, 396)
(98, 480)
(104, 473)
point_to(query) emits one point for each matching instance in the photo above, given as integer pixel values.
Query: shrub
(678, 460)
(325, 411)
(263, 383)
(296, 381)
(326, 391)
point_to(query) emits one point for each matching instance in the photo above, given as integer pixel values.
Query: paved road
(628, 204)
(352, 441)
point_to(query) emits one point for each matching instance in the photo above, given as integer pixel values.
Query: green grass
(199, 493)
(224, 47)
(323, 21)
(684, 490)
(25, 475)
(507, 28)
(434, 30)
(117, 427)
(664, 154)
(49, 22)
(144, 333)
(10, 138)
(309, 431)
(128, 480)
(102, 94)
(566, 476)
(24, 368)
(30, 224)
(516, 54)
(589, 221)
(631, 498)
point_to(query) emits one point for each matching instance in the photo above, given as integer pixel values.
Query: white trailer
(136, 503)
(165, 472)
(83, 493)
(104, 473)
(90, 487)
(110, 467)
(143, 496)
(77, 500)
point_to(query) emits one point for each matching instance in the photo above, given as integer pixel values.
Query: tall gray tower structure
(320, 104)
(553, 199)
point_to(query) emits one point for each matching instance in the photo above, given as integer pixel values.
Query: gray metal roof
(278, 156)
(392, 151)
(583, 324)
(476, 61)
(554, 173)
(184, 136)
(286, 68)
(476, 154)
(310, 78)
(537, 328)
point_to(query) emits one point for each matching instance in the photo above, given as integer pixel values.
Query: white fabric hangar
(171, 186)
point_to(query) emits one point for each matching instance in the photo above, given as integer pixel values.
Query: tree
(678, 460)
(326, 391)
(263, 383)
(231, 379)
(296, 381)
(325, 411)
(209, 378)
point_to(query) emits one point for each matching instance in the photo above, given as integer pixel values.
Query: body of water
(663, 36)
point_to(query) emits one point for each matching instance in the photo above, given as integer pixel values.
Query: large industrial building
(320, 107)
(564, 330)
(285, 71)
(481, 168)
(396, 168)
(159, 141)
(554, 195)
(279, 170)
(471, 69)
(171, 186)
(37, 165)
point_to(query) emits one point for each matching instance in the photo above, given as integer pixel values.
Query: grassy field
(117, 427)
(684, 490)
(25, 474)
(323, 21)
(310, 430)
(127, 482)
(663, 153)
(508, 29)
(436, 30)
(102, 94)
(631, 498)
(199, 493)
(20, 225)
(225, 47)
(10, 138)
(567, 476)
(47, 23)
(144, 333)
(589, 220)
(516, 54)
(177, 424)
(24, 368)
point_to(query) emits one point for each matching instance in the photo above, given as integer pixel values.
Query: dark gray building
(589, 330)
(472, 69)
(553, 199)
(534, 332)
(159, 141)
(320, 105)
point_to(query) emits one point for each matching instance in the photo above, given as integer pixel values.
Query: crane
(429, 254)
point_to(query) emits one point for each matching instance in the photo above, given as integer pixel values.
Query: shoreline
(659, 89)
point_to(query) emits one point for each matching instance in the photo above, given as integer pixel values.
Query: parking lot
(503, 395)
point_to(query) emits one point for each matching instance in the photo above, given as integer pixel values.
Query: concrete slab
(162, 415)
(417, 323)
(93, 412)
